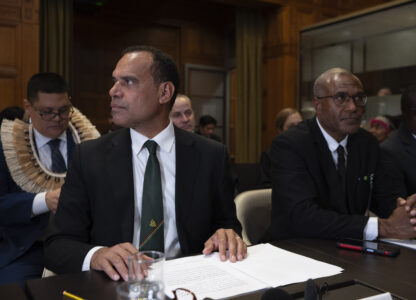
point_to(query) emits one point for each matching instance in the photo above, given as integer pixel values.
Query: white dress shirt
(44, 151)
(166, 154)
(371, 229)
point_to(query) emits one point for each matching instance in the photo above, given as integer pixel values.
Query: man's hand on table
(224, 239)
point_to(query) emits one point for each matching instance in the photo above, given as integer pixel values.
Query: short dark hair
(408, 98)
(163, 68)
(47, 82)
(206, 120)
(11, 113)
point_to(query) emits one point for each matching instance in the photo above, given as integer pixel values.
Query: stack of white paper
(265, 266)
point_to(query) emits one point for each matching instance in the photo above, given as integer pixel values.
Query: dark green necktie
(151, 230)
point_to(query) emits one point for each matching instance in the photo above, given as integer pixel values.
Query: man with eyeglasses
(326, 172)
(34, 157)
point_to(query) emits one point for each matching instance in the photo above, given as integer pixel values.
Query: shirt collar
(332, 143)
(165, 139)
(42, 140)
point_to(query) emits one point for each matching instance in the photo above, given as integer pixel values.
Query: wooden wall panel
(281, 51)
(187, 37)
(19, 54)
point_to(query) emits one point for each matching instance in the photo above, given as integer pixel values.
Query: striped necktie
(151, 228)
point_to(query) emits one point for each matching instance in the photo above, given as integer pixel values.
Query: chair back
(253, 212)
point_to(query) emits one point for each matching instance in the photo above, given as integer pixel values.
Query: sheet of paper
(277, 267)
(264, 267)
(207, 276)
(404, 243)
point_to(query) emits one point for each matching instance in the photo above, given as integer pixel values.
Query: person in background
(285, 119)
(182, 114)
(207, 126)
(326, 173)
(385, 91)
(381, 127)
(30, 184)
(400, 147)
(147, 186)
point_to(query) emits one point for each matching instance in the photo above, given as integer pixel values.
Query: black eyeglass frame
(51, 115)
(185, 290)
(343, 101)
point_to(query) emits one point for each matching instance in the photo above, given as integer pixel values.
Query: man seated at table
(400, 147)
(33, 160)
(149, 186)
(326, 172)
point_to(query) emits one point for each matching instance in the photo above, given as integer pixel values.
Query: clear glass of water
(145, 277)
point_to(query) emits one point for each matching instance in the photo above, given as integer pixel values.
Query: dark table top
(12, 291)
(362, 274)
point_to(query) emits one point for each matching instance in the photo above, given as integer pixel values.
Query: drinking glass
(145, 277)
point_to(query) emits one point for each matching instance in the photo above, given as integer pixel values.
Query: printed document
(265, 266)
(404, 243)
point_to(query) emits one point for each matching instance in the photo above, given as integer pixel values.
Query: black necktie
(151, 229)
(341, 163)
(58, 162)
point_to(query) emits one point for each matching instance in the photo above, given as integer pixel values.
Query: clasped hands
(113, 260)
(402, 222)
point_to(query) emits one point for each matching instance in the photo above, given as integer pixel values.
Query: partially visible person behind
(11, 113)
(385, 91)
(285, 119)
(381, 127)
(400, 147)
(33, 161)
(207, 126)
(326, 173)
(182, 114)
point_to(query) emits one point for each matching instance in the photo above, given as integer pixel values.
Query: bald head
(322, 83)
(182, 114)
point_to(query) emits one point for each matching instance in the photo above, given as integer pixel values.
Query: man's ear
(166, 90)
(316, 103)
(26, 106)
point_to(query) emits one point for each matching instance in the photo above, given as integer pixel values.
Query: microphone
(312, 291)
(276, 294)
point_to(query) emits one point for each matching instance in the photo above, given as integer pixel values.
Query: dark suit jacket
(400, 150)
(18, 230)
(97, 200)
(307, 197)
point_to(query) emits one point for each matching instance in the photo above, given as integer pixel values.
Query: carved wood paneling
(19, 52)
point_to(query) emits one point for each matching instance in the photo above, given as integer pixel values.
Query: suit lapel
(70, 144)
(187, 165)
(119, 168)
(407, 140)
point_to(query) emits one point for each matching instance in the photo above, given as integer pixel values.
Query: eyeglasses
(342, 99)
(183, 294)
(64, 113)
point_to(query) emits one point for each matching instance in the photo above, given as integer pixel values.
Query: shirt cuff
(371, 229)
(39, 204)
(87, 259)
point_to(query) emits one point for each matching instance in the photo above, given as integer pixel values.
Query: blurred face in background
(182, 114)
(292, 120)
(207, 130)
(379, 131)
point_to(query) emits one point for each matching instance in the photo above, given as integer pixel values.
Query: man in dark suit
(25, 205)
(99, 219)
(326, 172)
(400, 147)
